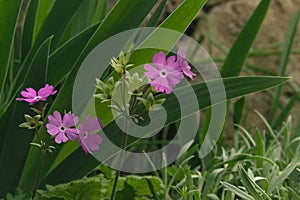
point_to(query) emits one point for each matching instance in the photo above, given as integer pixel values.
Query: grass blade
(240, 49)
(284, 61)
(9, 13)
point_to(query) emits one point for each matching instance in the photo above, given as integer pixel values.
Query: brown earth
(226, 20)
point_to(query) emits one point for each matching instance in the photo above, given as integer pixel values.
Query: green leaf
(283, 175)
(237, 191)
(62, 12)
(92, 188)
(236, 86)
(28, 27)
(156, 15)
(9, 13)
(85, 17)
(11, 164)
(140, 184)
(59, 66)
(251, 186)
(126, 193)
(283, 64)
(240, 49)
(43, 10)
(286, 111)
(238, 110)
(260, 148)
(179, 15)
(117, 21)
(237, 118)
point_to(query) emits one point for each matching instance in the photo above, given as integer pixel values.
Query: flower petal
(30, 93)
(57, 116)
(70, 120)
(53, 120)
(159, 58)
(52, 130)
(72, 133)
(93, 141)
(84, 146)
(171, 62)
(61, 137)
(46, 91)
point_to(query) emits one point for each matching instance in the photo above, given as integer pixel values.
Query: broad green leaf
(240, 49)
(236, 86)
(140, 184)
(127, 192)
(16, 140)
(91, 188)
(9, 13)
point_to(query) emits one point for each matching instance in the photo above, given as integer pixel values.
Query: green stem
(113, 193)
(37, 180)
(124, 143)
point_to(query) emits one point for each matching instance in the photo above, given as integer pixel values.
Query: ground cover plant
(54, 145)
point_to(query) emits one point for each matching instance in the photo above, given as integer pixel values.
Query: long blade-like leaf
(239, 52)
(9, 13)
(16, 140)
(237, 86)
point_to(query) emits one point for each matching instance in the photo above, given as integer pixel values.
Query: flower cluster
(165, 73)
(32, 97)
(62, 128)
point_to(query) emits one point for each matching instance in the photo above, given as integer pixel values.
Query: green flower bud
(151, 104)
(31, 122)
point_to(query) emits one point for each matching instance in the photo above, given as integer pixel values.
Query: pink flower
(88, 141)
(164, 74)
(31, 96)
(64, 128)
(182, 64)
